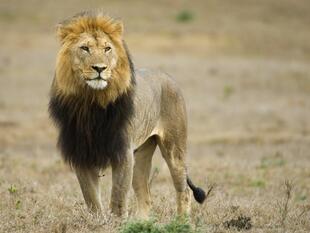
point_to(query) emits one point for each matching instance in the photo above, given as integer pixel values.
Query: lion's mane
(92, 124)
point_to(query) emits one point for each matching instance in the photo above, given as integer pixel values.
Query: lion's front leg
(121, 179)
(89, 182)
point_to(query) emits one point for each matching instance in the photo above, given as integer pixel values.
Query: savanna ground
(244, 69)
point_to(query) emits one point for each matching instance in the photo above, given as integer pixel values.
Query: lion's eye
(107, 49)
(85, 48)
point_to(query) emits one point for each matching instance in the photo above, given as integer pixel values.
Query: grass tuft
(272, 161)
(177, 225)
(227, 91)
(284, 206)
(241, 223)
(258, 183)
(185, 16)
(18, 204)
(140, 226)
(12, 189)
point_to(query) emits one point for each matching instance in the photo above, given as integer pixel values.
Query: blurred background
(243, 67)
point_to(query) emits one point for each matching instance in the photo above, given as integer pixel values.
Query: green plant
(301, 197)
(228, 91)
(275, 160)
(184, 16)
(12, 189)
(177, 225)
(258, 183)
(140, 227)
(18, 204)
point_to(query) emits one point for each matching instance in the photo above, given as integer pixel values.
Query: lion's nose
(99, 67)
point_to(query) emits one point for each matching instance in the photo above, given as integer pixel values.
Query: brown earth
(244, 69)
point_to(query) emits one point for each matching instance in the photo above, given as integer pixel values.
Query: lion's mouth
(97, 83)
(97, 78)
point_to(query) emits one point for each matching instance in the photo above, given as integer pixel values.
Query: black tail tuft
(198, 193)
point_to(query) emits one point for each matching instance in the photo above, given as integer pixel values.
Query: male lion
(108, 113)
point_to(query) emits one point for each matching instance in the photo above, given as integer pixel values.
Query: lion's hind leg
(173, 151)
(143, 163)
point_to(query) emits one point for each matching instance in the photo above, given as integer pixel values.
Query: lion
(110, 114)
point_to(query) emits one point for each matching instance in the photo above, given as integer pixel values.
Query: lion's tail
(199, 193)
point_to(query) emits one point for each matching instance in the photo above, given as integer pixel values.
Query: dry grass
(41, 194)
(244, 71)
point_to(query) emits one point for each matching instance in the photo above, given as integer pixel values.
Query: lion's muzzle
(100, 80)
(99, 67)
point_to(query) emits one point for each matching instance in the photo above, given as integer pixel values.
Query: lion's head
(93, 59)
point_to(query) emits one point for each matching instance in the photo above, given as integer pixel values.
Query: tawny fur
(133, 112)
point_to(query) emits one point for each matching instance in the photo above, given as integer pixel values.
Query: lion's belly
(142, 137)
(144, 127)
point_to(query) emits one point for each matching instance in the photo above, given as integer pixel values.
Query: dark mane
(90, 135)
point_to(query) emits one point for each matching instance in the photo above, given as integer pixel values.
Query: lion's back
(161, 96)
(157, 81)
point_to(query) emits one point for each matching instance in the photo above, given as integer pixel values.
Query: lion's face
(93, 59)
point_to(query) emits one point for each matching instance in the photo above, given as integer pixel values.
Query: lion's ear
(61, 32)
(118, 29)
